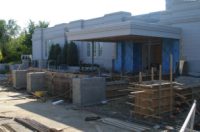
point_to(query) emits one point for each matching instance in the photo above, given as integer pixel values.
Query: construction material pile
(151, 98)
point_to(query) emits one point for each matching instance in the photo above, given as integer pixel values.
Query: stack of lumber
(187, 90)
(184, 96)
(151, 98)
(125, 125)
(34, 125)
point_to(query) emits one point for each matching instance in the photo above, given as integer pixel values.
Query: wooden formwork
(58, 84)
(184, 96)
(116, 89)
(151, 98)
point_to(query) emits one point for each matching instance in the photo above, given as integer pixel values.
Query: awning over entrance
(128, 30)
(139, 46)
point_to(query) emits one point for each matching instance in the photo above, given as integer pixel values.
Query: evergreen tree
(72, 56)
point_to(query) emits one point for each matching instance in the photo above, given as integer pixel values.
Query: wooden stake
(160, 73)
(159, 92)
(171, 79)
(171, 68)
(93, 55)
(140, 77)
(152, 74)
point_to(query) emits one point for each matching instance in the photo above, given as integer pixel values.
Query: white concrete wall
(57, 35)
(36, 44)
(185, 14)
(40, 38)
(106, 19)
(104, 60)
(179, 13)
(191, 44)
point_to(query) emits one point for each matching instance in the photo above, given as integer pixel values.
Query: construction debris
(93, 118)
(58, 102)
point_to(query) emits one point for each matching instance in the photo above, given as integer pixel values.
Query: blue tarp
(129, 56)
(169, 46)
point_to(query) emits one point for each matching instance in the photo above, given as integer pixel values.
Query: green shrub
(72, 54)
(55, 54)
(65, 54)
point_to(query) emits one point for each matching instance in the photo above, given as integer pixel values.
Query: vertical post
(140, 77)
(171, 68)
(171, 79)
(122, 60)
(152, 74)
(160, 73)
(149, 55)
(92, 55)
(159, 90)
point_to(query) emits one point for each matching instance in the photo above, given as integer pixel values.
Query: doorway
(151, 56)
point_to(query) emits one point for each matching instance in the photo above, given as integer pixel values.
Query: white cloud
(62, 11)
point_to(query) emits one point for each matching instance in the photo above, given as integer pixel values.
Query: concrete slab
(88, 91)
(35, 81)
(19, 78)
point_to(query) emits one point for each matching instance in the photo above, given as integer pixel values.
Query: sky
(64, 11)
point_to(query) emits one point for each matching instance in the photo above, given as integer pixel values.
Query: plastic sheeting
(170, 46)
(129, 56)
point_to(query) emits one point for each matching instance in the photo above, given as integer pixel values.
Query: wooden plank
(8, 127)
(152, 74)
(137, 92)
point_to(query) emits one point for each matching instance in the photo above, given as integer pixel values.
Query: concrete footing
(88, 91)
(35, 81)
(19, 78)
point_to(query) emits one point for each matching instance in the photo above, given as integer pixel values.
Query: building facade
(133, 42)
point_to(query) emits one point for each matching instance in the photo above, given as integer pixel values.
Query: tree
(15, 48)
(55, 54)
(72, 54)
(8, 30)
(65, 53)
(3, 33)
(1, 56)
(43, 24)
(12, 28)
(51, 53)
(30, 30)
(13, 44)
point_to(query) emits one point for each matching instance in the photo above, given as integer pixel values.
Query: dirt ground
(69, 118)
(64, 117)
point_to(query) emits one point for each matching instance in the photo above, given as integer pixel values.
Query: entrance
(151, 56)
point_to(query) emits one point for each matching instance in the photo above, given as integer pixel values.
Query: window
(45, 48)
(88, 49)
(95, 49)
(100, 49)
